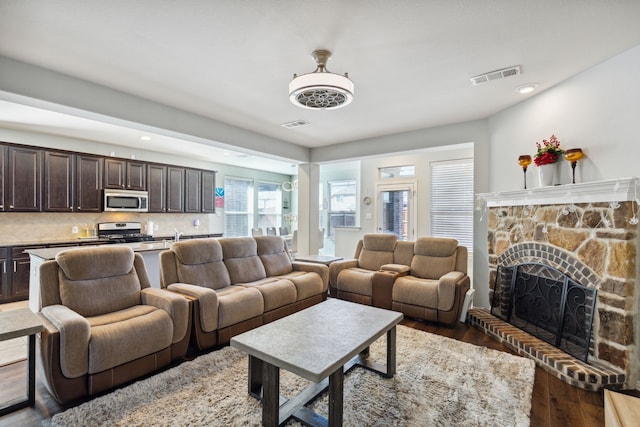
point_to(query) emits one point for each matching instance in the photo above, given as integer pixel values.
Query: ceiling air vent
(294, 124)
(495, 75)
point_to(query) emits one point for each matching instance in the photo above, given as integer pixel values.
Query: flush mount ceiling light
(528, 88)
(321, 89)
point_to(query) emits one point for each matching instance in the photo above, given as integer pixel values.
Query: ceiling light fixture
(321, 89)
(528, 88)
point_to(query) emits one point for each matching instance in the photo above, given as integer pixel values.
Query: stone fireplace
(589, 232)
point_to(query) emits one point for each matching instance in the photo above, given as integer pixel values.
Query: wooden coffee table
(320, 344)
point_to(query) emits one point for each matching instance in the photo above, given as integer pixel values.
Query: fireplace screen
(547, 304)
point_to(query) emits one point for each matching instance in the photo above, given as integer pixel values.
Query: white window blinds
(238, 212)
(452, 200)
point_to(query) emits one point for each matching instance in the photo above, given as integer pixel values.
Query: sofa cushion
(272, 252)
(415, 291)
(377, 250)
(242, 261)
(308, 284)
(120, 341)
(275, 293)
(356, 280)
(237, 304)
(95, 263)
(434, 257)
(92, 297)
(199, 262)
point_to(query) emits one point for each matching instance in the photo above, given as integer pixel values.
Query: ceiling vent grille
(495, 75)
(294, 124)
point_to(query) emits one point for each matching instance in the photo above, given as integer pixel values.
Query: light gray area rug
(439, 382)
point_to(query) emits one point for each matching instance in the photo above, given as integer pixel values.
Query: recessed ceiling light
(528, 88)
(145, 138)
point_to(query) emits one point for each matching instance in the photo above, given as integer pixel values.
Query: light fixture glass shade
(321, 89)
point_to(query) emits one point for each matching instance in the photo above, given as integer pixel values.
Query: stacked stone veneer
(596, 245)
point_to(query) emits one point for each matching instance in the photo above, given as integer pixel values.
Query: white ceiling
(232, 60)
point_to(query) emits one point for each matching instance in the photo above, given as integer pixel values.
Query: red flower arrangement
(548, 152)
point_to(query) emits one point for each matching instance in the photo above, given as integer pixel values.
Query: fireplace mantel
(612, 190)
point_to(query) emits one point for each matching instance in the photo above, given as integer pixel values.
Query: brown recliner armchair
(104, 324)
(437, 284)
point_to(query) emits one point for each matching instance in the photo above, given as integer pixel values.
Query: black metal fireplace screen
(546, 303)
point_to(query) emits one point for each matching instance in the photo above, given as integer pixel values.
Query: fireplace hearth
(547, 304)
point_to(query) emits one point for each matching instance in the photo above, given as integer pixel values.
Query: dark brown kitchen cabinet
(59, 181)
(21, 266)
(24, 180)
(157, 187)
(208, 203)
(88, 183)
(192, 190)
(5, 284)
(15, 272)
(175, 189)
(3, 168)
(125, 174)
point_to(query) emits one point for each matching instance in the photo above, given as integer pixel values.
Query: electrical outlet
(74, 230)
(196, 223)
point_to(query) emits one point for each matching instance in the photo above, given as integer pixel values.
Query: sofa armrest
(396, 268)
(447, 288)
(75, 333)
(176, 305)
(207, 302)
(310, 267)
(382, 286)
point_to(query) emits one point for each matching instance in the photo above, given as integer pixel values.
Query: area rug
(439, 382)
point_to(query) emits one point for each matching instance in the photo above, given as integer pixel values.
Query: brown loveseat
(239, 283)
(426, 279)
(104, 324)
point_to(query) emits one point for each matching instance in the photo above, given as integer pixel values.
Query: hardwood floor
(554, 402)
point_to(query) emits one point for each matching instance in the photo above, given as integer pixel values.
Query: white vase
(546, 173)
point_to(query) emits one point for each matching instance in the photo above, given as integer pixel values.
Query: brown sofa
(239, 283)
(103, 323)
(426, 279)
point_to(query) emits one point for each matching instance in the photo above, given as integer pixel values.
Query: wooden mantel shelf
(612, 190)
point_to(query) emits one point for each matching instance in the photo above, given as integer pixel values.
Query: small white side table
(14, 324)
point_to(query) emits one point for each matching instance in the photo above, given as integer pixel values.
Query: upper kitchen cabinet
(157, 187)
(3, 169)
(59, 181)
(88, 183)
(24, 180)
(125, 174)
(192, 190)
(208, 204)
(175, 189)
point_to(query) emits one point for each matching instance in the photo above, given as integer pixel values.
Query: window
(238, 207)
(342, 204)
(397, 172)
(452, 200)
(396, 210)
(269, 205)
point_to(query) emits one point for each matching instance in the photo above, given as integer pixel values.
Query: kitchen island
(149, 250)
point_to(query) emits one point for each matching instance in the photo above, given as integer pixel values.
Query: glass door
(396, 210)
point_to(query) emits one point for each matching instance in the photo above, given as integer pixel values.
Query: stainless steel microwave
(126, 201)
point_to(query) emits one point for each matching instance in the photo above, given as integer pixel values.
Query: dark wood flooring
(554, 402)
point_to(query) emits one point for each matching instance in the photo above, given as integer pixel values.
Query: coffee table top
(314, 342)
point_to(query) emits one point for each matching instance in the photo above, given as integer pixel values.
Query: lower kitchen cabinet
(14, 279)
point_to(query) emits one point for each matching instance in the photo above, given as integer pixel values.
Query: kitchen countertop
(78, 241)
(50, 253)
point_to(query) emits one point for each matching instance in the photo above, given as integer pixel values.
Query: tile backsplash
(28, 228)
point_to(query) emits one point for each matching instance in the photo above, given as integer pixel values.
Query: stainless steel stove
(122, 232)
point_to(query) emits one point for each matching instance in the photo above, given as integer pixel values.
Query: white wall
(597, 110)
